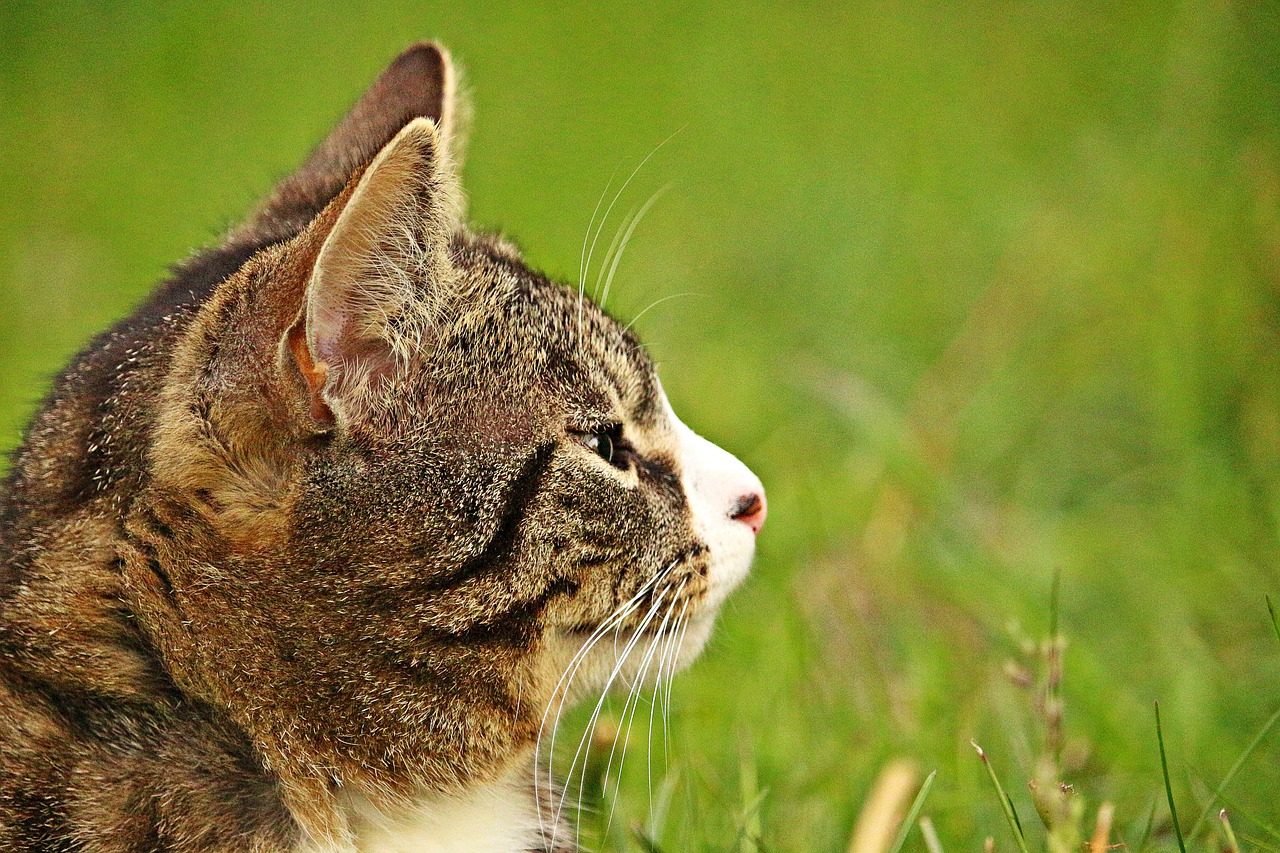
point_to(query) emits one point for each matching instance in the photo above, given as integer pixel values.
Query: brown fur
(252, 555)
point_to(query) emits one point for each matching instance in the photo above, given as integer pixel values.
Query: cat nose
(751, 510)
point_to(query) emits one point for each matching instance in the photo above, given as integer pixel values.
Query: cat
(305, 553)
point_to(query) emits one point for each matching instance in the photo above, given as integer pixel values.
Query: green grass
(1168, 787)
(987, 293)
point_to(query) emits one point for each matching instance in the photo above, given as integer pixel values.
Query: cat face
(425, 492)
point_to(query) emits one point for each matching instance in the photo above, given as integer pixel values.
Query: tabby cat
(306, 553)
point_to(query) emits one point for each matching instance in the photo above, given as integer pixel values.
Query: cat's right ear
(378, 277)
(420, 83)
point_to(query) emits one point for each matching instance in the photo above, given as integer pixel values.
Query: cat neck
(498, 816)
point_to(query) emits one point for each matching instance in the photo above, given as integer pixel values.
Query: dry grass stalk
(1102, 829)
(885, 807)
(931, 840)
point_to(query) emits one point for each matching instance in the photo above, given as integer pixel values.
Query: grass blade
(659, 810)
(1260, 844)
(912, 814)
(1010, 813)
(931, 841)
(1168, 787)
(1232, 844)
(1257, 822)
(1146, 833)
(1235, 768)
(1275, 626)
(647, 843)
(751, 830)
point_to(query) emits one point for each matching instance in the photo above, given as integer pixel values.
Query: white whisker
(684, 628)
(584, 743)
(582, 270)
(623, 734)
(608, 255)
(657, 689)
(654, 304)
(584, 266)
(634, 692)
(559, 698)
(618, 195)
(622, 248)
(661, 697)
(582, 255)
(634, 688)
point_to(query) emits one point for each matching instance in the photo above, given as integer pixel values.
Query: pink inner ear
(326, 329)
(340, 354)
(389, 232)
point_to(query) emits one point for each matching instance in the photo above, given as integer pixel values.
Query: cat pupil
(607, 443)
(601, 441)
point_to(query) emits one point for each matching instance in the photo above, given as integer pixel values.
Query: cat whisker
(631, 706)
(623, 734)
(558, 699)
(618, 195)
(664, 660)
(561, 691)
(654, 304)
(586, 268)
(635, 686)
(613, 247)
(610, 624)
(662, 693)
(622, 248)
(582, 256)
(684, 628)
(584, 744)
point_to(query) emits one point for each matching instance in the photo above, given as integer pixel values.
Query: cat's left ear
(377, 277)
(419, 83)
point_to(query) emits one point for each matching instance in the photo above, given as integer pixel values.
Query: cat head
(407, 479)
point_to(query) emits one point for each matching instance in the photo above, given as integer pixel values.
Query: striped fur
(313, 535)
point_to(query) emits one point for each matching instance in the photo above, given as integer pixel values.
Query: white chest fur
(498, 817)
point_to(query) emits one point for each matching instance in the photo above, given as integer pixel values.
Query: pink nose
(751, 510)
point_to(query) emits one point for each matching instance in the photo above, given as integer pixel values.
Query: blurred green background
(983, 291)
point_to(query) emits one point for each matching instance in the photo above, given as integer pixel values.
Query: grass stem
(1010, 813)
(1232, 844)
(1275, 626)
(912, 814)
(1168, 787)
(1235, 768)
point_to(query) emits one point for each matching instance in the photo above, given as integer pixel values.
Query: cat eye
(607, 443)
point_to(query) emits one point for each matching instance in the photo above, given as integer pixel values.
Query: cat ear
(368, 302)
(419, 83)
